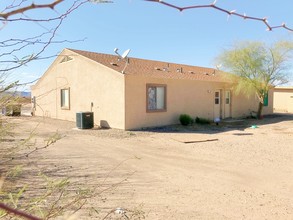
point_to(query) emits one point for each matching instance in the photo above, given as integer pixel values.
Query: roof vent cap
(179, 70)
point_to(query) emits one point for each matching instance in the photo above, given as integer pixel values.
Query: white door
(217, 104)
(227, 104)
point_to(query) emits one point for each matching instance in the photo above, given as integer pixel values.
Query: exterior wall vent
(66, 59)
(114, 64)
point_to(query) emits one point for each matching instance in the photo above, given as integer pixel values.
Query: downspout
(56, 99)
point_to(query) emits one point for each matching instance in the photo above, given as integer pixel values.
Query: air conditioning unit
(84, 120)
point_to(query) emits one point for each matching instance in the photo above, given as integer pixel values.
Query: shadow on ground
(224, 125)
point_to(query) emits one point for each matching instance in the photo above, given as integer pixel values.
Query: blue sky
(154, 31)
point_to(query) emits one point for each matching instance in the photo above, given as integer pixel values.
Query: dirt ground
(230, 171)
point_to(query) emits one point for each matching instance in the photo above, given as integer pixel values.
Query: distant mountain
(17, 94)
(26, 94)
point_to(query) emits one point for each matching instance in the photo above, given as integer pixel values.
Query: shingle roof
(151, 68)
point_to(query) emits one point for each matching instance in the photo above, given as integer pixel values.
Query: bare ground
(243, 173)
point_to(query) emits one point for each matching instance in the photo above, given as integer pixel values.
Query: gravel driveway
(231, 171)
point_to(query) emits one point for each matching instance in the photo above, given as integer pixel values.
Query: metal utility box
(84, 120)
(12, 110)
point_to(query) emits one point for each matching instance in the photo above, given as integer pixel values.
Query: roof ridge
(141, 59)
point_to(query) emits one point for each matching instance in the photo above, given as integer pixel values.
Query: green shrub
(202, 120)
(185, 119)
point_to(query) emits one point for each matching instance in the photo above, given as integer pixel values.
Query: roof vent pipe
(179, 70)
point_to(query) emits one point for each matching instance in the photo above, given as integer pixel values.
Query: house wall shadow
(223, 126)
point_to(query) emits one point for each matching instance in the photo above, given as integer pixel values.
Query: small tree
(256, 67)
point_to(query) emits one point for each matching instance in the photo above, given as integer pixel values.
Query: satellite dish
(124, 55)
(219, 66)
(126, 52)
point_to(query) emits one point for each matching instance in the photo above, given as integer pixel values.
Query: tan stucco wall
(283, 100)
(195, 98)
(182, 97)
(88, 82)
(243, 105)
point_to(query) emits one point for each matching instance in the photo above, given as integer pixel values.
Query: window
(217, 98)
(65, 95)
(227, 97)
(156, 98)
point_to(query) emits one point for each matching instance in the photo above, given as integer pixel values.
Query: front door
(227, 104)
(217, 104)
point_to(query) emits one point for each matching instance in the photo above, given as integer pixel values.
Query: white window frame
(65, 98)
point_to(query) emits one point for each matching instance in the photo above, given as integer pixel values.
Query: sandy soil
(242, 173)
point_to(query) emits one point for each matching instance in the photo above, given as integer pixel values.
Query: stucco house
(133, 93)
(283, 99)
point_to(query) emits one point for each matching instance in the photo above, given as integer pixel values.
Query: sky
(151, 30)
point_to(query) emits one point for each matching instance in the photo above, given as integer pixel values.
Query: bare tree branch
(30, 7)
(12, 48)
(228, 12)
(17, 212)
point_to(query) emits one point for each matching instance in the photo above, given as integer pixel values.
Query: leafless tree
(11, 56)
(11, 52)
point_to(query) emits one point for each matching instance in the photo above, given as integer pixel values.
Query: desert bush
(202, 120)
(185, 119)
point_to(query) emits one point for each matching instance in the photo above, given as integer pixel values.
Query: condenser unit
(84, 120)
